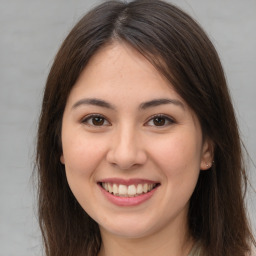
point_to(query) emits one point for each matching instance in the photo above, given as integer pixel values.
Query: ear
(62, 159)
(207, 154)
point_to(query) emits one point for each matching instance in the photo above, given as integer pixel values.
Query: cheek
(178, 152)
(82, 154)
(82, 157)
(179, 161)
(179, 158)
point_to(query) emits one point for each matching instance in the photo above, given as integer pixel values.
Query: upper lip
(127, 182)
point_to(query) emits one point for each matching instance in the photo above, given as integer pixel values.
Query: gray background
(31, 32)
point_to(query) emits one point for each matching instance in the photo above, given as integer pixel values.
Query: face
(132, 148)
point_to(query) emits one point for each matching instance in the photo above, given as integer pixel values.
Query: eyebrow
(158, 102)
(143, 106)
(95, 102)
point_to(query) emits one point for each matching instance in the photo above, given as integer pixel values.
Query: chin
(132, 228)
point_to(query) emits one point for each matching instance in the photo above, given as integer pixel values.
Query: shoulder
(253, 253)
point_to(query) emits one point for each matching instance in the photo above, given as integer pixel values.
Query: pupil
(98, 121)
(159, 121)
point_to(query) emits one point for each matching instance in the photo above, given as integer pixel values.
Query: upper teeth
(127, 191)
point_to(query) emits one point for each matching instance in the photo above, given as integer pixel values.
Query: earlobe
(62, 160)
(207, 155)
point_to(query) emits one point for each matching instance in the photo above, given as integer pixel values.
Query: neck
(172, 240)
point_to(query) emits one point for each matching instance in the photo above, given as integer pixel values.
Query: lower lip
(128, 201)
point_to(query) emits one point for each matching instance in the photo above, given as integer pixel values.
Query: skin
(127, 142)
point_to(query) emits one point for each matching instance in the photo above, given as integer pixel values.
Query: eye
(95, 120)
(160, 121)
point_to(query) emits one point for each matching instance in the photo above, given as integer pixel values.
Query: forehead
(121, 69)
(116, 60)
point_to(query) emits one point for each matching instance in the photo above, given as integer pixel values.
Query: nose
(126, 150)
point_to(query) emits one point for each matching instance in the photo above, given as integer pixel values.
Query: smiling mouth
(133, 190)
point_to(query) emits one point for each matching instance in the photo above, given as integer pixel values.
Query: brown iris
(159, 121)
(97, 121)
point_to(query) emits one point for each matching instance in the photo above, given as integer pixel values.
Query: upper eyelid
(161, 115)
(93, 115)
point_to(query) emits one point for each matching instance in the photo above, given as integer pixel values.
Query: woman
(138, 147)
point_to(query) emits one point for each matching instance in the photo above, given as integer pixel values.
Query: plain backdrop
(31, 32)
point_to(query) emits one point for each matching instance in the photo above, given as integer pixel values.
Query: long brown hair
(176, 45)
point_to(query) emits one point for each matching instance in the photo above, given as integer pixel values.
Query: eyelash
(166, 118)
(89, 120)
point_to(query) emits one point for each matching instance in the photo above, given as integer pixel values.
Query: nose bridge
(126, 150)
(127, 140)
